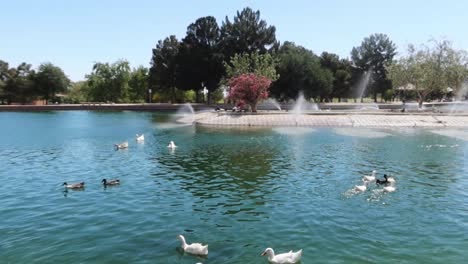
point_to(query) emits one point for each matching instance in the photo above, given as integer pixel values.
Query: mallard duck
(110, 182)
(74, 185)
(284, 258)
(171, 145)
(370, 177)
(140, 138)
(386, 180)
(122, 145)
(194, 248)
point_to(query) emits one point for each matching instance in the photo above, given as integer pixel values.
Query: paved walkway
(332, 120)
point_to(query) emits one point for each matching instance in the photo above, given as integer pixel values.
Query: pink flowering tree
(249, 88)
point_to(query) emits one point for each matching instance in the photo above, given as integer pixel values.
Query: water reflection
(226, 178)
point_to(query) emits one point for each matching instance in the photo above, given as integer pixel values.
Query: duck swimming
(122, 145)
(284, 258)
(171, 145)
(74, 185)
(370, 177)
(387, 180)
(194, 248)
(140, 138)
(390, 188)
(110, 182)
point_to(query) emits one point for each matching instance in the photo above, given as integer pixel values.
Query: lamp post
(149, 92)
(205, 91)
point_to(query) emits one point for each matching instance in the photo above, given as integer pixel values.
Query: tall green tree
(342, 74)
(200, 63)
(109, 82)
(78, 92)
(300, 71)
(246, 34)
(138, 85)
(430, 69)
(20, 84)
(374, 54)
(50, 80)
(162, 74)
(3, 79)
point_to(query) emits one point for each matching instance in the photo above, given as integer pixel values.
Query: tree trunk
(253, 107)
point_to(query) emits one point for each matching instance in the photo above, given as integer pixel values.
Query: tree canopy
(300, 71)
(430, 69)
(374, 54)
(247, 33)
(51, 80)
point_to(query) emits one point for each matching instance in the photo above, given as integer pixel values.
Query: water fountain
(269, 103)
(459, 105)
(361, 86)
(302, 105)
(185, 115)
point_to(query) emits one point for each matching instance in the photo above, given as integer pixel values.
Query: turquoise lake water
(238, 190)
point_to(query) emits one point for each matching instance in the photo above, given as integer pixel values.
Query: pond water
(238, 190)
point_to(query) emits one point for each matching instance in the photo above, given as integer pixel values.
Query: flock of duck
(387, 182)
(105, 182)
(202, 250)
(284, 258)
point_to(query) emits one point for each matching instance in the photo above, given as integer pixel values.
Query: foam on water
(455, 133)
(293, 131)
(361, 132)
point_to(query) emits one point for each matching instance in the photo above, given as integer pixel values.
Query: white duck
(171, 145)
(140, 138)
(390, 179)
(370, 177)
(122, 145)
(361, 188)
(390, 188)
(194, 248)
(284, 258)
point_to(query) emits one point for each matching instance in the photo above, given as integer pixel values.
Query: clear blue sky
(73, 34)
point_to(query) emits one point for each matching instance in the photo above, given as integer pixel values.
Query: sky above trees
(75, 34)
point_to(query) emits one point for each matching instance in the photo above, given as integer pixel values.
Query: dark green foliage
(342, 73)
(375, 53)
(50, 80)
(300, 70)
(199, 60)
(20, 86)
(162, 74)
(109, 82)
(138, 85)
(246, 34)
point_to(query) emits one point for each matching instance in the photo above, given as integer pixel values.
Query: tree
(3, 79)
(249, 88)
(77, 92)
(50, 80)
(300, 71)
(342, 74)
(199, 60)
(162, 74)
(430, 70)
(374, 54)
(19, 85)
(246, 34)
(138, 84)
(109, 82)
(259, 64)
